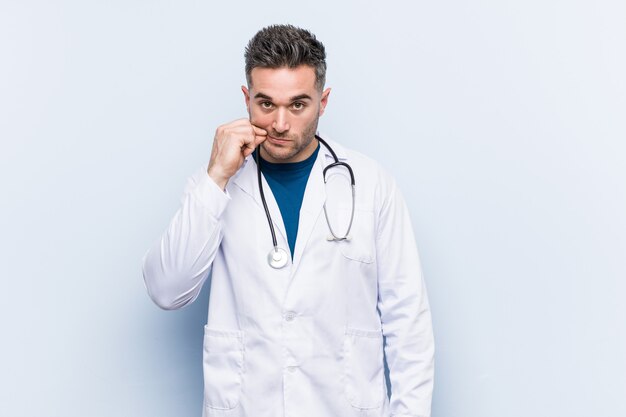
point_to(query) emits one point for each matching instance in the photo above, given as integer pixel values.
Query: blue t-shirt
(288, 182)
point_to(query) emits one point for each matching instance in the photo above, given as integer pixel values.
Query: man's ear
(246, 95)
(324, 100)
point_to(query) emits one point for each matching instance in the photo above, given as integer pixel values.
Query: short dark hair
(288, 46)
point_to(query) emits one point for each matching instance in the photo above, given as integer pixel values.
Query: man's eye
(266, 104)
(298, 105)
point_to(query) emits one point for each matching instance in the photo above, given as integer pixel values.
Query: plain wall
(504, 123)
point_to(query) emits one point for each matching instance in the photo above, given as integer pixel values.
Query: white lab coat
(305, 340)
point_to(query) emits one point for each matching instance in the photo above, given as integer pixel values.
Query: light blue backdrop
(503, 121)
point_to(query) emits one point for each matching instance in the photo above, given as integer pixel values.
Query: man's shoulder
(373, 182)
(366, 166)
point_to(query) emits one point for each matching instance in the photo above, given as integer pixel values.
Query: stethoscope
(278, 257)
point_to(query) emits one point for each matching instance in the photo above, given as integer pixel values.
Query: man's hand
(233, 142)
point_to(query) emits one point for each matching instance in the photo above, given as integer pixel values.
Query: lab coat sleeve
(177, 265)
(404, 309)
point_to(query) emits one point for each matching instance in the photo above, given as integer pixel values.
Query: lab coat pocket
(223, 362)
(360, 244)
(364, 368)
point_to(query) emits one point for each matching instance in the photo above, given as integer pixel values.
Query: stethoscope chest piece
(277, 258)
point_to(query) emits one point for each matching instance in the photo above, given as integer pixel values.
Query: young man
(308, 272)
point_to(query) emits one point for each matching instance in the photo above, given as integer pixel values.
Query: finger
(247, 152)
(248, 148)
(258, 139)
(253, 137)
(259, 131)
(246, 136)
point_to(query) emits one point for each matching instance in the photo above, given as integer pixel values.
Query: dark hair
(288, 46)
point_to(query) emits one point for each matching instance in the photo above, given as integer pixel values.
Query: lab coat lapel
(312, 205)
(314, 198)
(247, 180)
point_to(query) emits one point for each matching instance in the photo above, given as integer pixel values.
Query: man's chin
(277, 153)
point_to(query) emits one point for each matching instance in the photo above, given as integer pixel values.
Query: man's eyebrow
(294, 98)
(301, 97)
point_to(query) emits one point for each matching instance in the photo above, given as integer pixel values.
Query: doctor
(301, 337)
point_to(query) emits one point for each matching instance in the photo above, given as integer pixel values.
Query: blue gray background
(503, 121)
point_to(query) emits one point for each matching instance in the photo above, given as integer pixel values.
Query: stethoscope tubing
(277, 258)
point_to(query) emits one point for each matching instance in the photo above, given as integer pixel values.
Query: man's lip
(277, 140)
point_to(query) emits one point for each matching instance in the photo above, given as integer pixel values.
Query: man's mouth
(278, 141)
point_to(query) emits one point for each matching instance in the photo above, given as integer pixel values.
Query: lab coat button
(291, 369)
(290, 315)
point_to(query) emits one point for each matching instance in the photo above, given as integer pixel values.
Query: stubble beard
(297, 144)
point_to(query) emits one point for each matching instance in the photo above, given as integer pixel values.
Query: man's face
(285, 102)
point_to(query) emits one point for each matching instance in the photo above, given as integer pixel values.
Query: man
(300, 334)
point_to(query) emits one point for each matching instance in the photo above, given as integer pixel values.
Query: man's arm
(405, 313)
(175, 268)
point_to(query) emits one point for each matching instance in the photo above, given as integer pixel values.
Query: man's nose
(281, 124)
